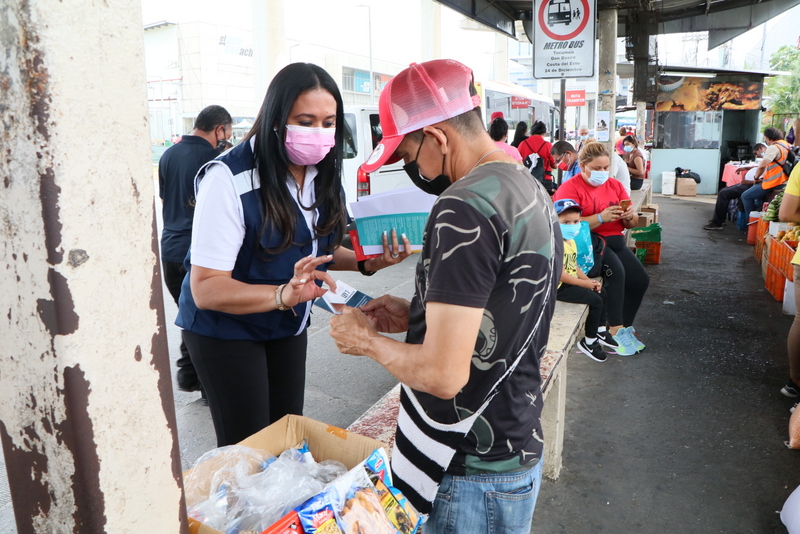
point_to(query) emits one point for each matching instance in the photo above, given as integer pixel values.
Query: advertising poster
(700, 94)
(603, 126)
(563, 38)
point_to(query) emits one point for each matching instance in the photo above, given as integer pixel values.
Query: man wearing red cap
(468, 449)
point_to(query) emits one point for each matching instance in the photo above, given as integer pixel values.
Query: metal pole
(87, 417)
(562, 109)
(607, 77)
(371, 72)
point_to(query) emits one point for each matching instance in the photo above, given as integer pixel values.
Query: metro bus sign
(575, 98)
(518, 102)
(564, 38)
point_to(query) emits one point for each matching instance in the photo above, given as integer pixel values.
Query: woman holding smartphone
(625, 278)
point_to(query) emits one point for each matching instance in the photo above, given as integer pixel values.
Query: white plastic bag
(790, 515)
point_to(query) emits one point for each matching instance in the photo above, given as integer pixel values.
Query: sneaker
(605, 338)
(791, 389)
(636, 343)
(713, 226)
(594, 351)
(624, 343)
(791, 410)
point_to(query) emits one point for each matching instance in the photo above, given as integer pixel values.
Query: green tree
(782, 93)
(785, 58)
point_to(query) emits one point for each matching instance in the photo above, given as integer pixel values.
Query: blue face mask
(570, 231)
(598, 178)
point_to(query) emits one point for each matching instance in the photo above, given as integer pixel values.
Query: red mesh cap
(423, 94)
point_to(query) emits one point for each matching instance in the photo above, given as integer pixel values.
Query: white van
(362, 134)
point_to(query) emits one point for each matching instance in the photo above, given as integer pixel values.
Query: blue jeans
(753, 198)
(488, 503)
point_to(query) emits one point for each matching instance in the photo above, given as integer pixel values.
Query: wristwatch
(363, 269)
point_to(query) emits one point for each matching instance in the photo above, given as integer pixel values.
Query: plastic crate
(781, 254)
(651, 234)
(653, 249)
(775, 283)
(762, 229)
(758, 250)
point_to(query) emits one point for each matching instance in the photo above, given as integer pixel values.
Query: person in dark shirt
(176, 171)
(469, 440)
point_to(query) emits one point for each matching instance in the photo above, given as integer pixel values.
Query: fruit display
(791, 234)
(773, 208)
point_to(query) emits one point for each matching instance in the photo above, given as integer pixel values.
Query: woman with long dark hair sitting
(520, 134)
(268, 224)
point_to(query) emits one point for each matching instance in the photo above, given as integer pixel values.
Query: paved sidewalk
(684, 438)
(688, 436)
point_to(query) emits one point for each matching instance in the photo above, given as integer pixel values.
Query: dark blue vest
(254, 266)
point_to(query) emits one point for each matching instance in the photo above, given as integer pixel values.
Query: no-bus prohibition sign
(564, 40)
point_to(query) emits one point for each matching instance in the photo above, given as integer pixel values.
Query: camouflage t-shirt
(488, 244)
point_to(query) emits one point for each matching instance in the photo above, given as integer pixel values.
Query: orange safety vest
(774, 175)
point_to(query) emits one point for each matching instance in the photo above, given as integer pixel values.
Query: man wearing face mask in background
(732, 192)
(566, 159)
(583, 135)
(176, 171)
(469, 427)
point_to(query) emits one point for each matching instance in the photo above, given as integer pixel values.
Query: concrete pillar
(87, 417)
(607, 76)
(500, 57)
(269, 43)
(431, 22)
(641, 122)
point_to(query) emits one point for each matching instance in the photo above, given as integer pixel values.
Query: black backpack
(598, 250)
(535, 164)
(791, 160)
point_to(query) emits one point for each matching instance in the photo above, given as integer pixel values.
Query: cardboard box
(645, 220)
(789, 306)
(325, 442)
(686, 187)
(765, 256)
(775, 227)
(651, 208)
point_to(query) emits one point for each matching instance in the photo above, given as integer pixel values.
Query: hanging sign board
(518, 102)
(563, 38)
(576, 98)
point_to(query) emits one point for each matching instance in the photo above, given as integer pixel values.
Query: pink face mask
(308, 146)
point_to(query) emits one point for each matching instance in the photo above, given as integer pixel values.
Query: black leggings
(595, 301)
(249, 384)
(625, 281)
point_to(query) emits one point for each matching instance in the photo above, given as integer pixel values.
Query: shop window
(688, 129)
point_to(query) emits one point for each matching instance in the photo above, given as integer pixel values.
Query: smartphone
(624, 204)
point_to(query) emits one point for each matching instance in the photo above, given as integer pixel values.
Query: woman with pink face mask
(268, 225)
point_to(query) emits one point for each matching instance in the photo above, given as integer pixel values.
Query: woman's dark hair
(498, 129)
(519, 133)
(631, 139)
(538, 128)
(272, 160)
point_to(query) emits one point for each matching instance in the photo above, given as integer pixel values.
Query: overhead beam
(724, 25)
(496, 15)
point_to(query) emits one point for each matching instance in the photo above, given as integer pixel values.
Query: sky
(341, 24)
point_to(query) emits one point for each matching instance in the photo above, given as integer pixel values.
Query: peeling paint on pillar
(72, 400)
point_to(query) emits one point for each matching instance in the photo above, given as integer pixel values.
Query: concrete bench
(380, 420)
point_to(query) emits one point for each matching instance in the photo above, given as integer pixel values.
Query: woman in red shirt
(626, 280)
(537, 144)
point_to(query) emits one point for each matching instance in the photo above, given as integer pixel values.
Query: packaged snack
(288, 524)
(404, 522)
(378, 463)
(317, 515)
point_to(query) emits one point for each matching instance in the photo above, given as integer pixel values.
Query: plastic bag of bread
(220, 468)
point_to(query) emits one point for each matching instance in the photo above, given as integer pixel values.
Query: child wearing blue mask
(578, 288)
